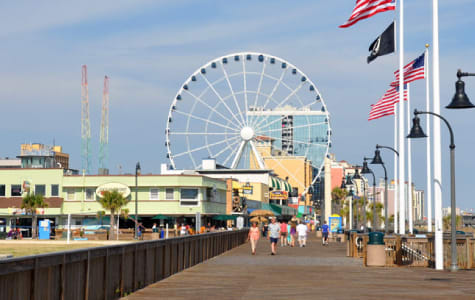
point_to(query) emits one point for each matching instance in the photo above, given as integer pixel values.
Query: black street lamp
(397, 153)
(417, 132)
(378, 161)
(460, 99)
(367, 170)
(137, 173)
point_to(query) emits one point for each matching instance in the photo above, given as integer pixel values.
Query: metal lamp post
(460, 99)
(367, 170)
(417, 132)
(356, 176)
(137, 173)
(378, 161)
(395, 186)
(344, 186)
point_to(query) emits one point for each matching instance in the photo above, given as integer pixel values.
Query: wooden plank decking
(313, 272)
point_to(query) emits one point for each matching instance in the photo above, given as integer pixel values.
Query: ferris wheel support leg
(258, 156)
(237, 158)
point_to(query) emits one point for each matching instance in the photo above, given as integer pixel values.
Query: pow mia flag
(383, 45)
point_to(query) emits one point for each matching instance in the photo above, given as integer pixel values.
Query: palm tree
(30, 203)
(338, 196)
(345, 211)
(447, 222)
(379, 213)
(113, 201)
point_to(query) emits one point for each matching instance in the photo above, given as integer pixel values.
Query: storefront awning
(225, 217)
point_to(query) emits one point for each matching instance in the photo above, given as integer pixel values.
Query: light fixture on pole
(395, 184)
(460, 99)
(356, 175)
(417, 132)
(378, 161)
(343, 183)
(367, 170)
(137, 173)
(346, 183)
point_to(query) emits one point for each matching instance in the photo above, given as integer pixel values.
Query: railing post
(468, 254)
(398, 250)
(63, 278)
(365, 249)
(88, 267)
(34, 279)
(134, 280)
(106, 273)
(122, 273)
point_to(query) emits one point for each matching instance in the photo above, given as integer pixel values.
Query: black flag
(383, 45)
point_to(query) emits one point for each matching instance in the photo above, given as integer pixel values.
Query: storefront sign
(111, 186)
(335, 222)
(278, 195)
(247, 190)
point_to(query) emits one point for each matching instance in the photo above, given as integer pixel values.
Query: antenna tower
(85, 124)
(104, 138)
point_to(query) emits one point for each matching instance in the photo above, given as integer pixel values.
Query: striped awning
(280, 185)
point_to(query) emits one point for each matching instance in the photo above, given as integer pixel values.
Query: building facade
(178, 196)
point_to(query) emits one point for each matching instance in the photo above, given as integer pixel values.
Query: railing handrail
(120, 245)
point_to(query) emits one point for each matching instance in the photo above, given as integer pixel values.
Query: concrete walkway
(313, 272)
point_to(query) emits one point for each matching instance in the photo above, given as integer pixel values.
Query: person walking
(265, 228)
(283, 234)
(183, 230)
(293, 233)
(273, 235)
(253, 237)
(325, 231)
(302, 230)
(289, 238)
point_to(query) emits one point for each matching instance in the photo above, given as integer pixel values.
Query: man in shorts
(325, 231)
(302, 230)
(273, 235)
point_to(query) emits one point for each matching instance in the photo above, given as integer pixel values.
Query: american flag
(385, 105)
(368, 8)
(412, 71)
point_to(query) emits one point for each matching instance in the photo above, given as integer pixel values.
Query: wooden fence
(415, 252)
(109, 272)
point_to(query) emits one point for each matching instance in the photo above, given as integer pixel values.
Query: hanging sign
(111, 186)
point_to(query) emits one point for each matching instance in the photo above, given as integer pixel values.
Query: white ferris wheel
(248, 110)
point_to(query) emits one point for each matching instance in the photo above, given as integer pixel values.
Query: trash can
(349, 249)
(376, 238)
(375, 250)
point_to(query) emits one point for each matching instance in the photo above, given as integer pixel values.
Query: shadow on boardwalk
(313, 272)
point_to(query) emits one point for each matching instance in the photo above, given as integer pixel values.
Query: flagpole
(439, 250)
(402, 154)
(396, 182)
(409, 166)
(429, 161)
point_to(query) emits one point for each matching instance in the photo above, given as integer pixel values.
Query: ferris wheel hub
(247, 133)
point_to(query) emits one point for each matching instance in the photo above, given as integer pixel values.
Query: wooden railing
(415, 252)
(109, 272)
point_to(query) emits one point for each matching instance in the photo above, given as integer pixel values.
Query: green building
(178, 196)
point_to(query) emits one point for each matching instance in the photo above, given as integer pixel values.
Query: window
(154, 194)
(90, 193)
(40, 189)
(16, 190)
(210, 194)
(70, 195)
(2, 190)
(189, 197)
(169, 194)
(54, 190)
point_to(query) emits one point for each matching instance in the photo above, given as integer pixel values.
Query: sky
(148, 49)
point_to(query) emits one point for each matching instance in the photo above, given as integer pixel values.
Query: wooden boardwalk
(313, 272)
